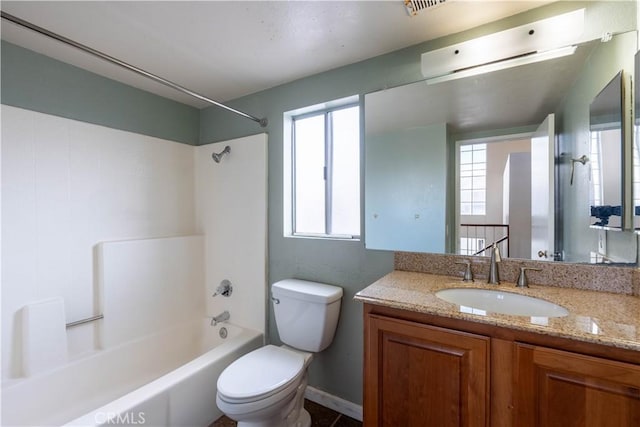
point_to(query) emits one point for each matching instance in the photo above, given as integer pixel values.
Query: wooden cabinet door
(421, 376)
(558, 388)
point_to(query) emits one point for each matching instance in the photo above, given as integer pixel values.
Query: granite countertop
(597, 317)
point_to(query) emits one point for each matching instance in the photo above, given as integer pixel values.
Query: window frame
(325, 111)
(595, 156)
(472, 188)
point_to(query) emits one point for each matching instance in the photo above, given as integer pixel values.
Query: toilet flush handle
(275, 300)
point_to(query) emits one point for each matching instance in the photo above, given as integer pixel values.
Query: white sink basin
(501, 302)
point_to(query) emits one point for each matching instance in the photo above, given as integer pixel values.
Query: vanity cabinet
(425, 370)
(421, 375)
(559, 388)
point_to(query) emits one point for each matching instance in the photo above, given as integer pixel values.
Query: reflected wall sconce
(538, 41)
(505, 64)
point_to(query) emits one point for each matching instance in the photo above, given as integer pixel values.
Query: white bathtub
(167, 379)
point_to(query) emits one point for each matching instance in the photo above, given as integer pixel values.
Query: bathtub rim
(207, 350)
(151, 389)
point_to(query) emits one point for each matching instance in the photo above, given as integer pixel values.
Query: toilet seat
(263, 373)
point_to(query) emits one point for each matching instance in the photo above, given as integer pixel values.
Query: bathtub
(166, 379)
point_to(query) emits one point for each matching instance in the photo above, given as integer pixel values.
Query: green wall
(338, 370)
(414, 219)
(36, 82)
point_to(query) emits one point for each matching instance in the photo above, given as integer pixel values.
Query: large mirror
(451, 167)
(636, 147)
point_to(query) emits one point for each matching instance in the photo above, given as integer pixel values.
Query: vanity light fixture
(537, 41)
(505, 64)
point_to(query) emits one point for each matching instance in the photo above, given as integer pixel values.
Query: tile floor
(320, 417)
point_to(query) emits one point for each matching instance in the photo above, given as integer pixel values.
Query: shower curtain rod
(101, 55)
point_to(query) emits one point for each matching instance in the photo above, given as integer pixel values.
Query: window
(636, 168)
(473, 179)
(471, 245)
(596, 171)
(325, 173)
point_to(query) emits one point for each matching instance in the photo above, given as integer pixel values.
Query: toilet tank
(306, 313)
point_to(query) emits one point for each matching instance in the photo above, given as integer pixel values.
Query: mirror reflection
(636, 146)
(453, 167)
(504, 193)
(605, 156)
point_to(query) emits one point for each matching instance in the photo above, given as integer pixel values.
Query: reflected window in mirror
(636, 144)
(472, 245)
(473, 179)
(636, 175)
(596, 171)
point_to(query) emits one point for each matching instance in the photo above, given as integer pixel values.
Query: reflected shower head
(217, 156)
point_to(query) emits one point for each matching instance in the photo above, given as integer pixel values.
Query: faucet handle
(468, 274)
(225, 289)
(496, 252)
(522, 281)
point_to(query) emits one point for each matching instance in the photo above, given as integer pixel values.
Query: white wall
(149, 285)
(231, 200)
(518, 204)
(497, 155)
(66, 186)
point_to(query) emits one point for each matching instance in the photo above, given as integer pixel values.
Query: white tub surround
(231, 212)
(67, 185)
(148, 286)
(44, 336)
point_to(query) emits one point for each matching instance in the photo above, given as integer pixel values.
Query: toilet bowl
(262, 388)
(265, 388)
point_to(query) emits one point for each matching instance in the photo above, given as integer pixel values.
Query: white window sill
(324, 237)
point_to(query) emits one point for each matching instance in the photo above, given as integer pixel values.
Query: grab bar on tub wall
(82, 321)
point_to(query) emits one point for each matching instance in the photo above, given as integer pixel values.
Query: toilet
(265, 388)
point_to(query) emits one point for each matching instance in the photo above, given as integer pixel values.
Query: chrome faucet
(494, 274)
(222, 317)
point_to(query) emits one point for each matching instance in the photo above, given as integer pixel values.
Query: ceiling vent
(415, 6)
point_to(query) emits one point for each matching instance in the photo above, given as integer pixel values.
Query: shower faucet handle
(218, 156)
(225, 289)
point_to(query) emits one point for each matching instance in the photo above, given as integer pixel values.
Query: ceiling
(227, 49)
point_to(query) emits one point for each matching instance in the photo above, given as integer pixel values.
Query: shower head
(217, 156)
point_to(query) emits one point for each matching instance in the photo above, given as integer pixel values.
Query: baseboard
(333, 402)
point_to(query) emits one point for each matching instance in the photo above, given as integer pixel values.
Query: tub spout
(222, 317)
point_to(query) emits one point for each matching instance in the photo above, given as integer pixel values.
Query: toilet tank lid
(306, 290)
